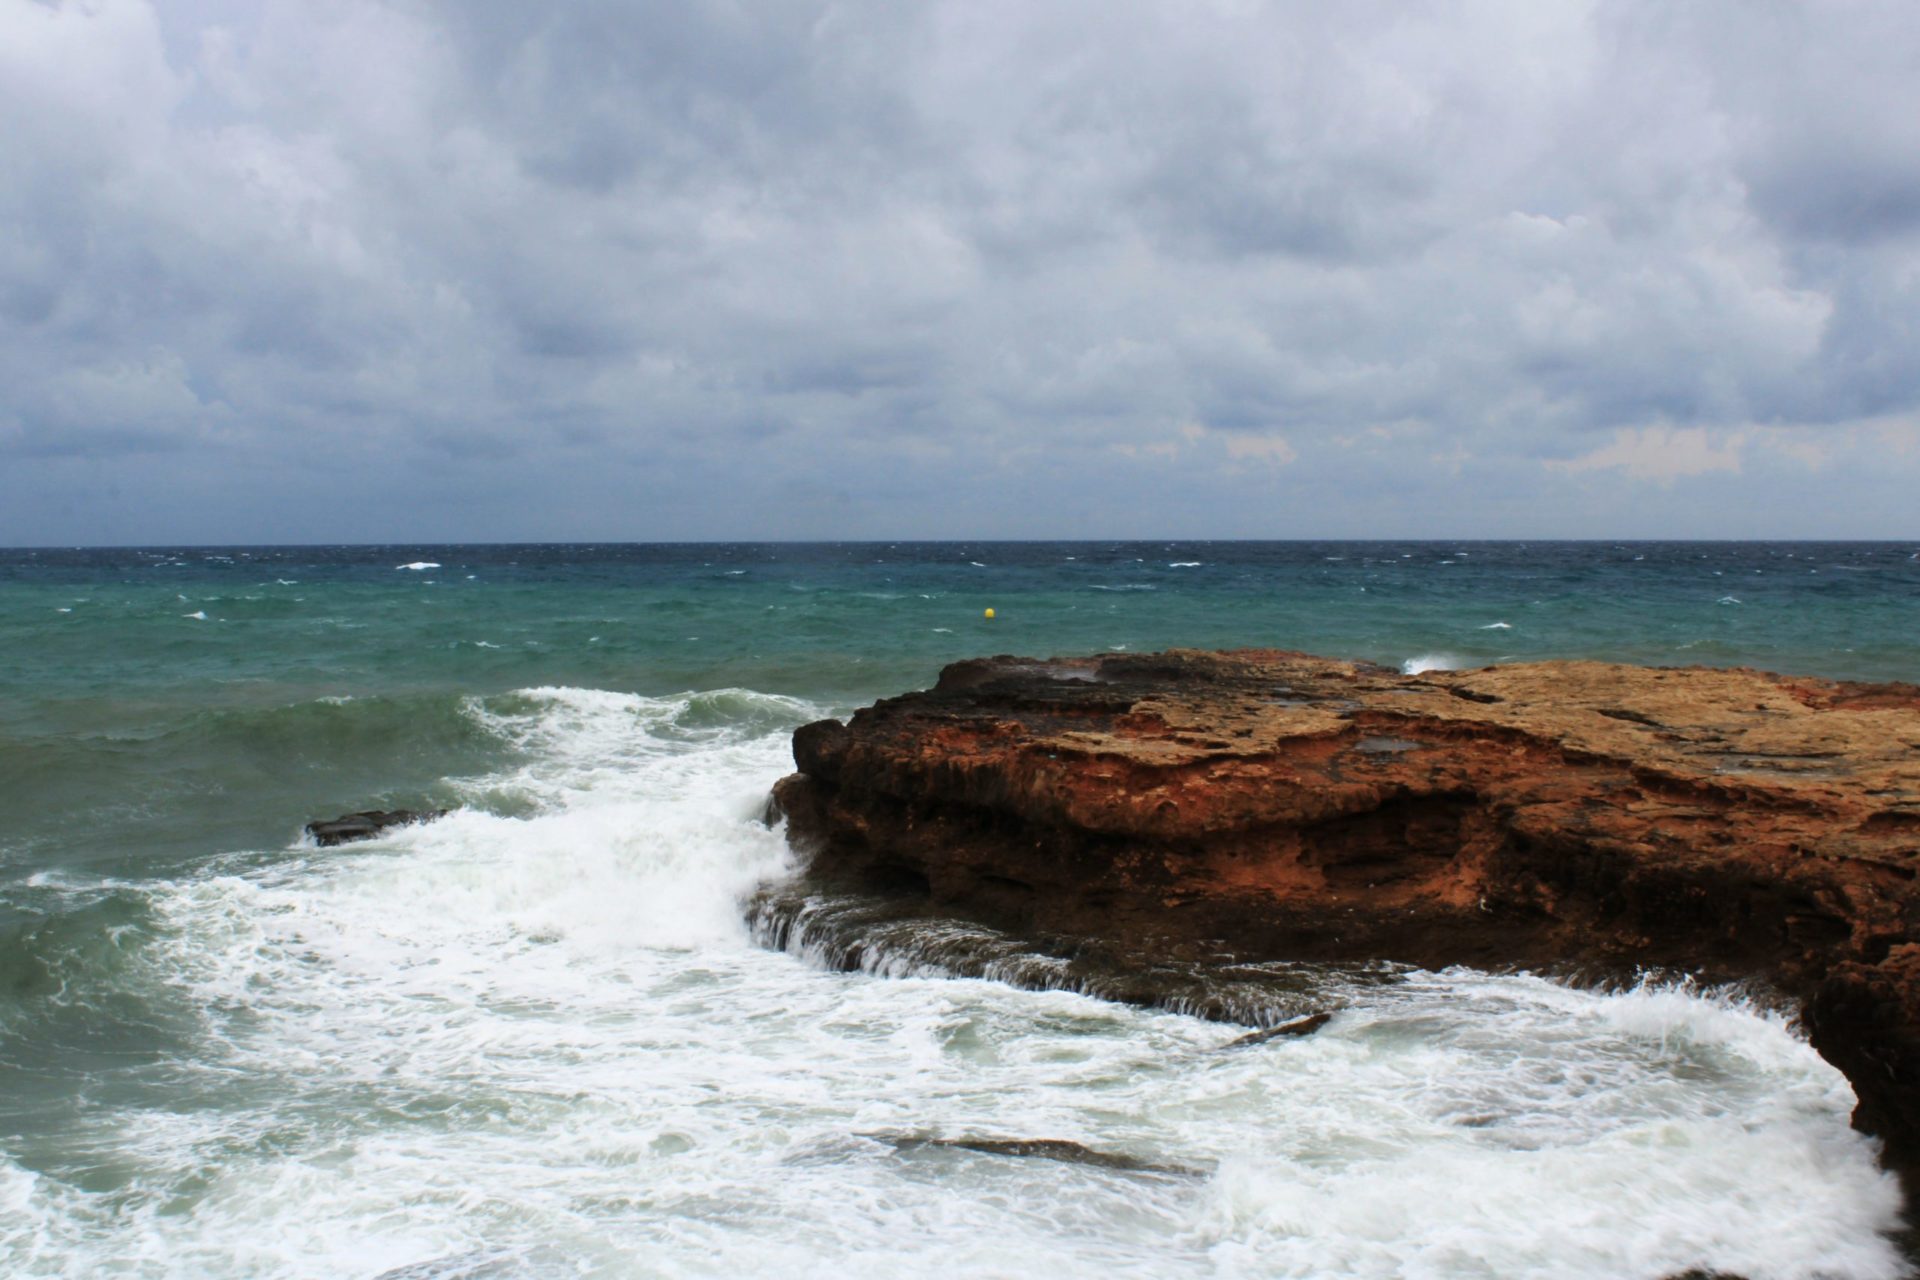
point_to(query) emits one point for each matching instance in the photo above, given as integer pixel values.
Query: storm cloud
(489, 270)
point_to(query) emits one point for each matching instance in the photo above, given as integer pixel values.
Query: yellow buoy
(989, 613)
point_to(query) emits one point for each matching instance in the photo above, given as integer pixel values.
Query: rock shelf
(1585, 818)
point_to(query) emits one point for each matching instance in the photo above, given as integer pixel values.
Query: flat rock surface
(1568, 815)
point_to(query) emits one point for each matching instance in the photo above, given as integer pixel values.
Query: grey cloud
(889, 251)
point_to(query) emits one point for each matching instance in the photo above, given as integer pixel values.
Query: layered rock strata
(1569, 816)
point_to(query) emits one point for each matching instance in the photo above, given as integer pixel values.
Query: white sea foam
(544, 1044)
(1498, 626)
(419, 565)
(1430, 662)
(1183, 564)
(198, 615)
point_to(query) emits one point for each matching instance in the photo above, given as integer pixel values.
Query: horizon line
(870, 542)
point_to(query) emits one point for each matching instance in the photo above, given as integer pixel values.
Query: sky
(486, 270)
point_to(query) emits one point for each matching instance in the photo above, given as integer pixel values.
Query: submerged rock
(1576, 816)
(368, 824)
(1058, 1149)
(1301, 1027)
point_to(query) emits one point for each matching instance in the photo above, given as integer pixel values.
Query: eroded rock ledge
(1565, 815)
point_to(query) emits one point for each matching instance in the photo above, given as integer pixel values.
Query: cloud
(675, 272)
(1660, 454)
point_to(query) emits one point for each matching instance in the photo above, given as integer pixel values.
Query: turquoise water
(510, 1043)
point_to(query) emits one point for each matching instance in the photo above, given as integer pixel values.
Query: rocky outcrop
(1581, 817)
(367, 824)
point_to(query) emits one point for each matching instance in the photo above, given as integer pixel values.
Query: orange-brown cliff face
(1561, 815)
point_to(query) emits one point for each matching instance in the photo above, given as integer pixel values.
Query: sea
(548, 1035)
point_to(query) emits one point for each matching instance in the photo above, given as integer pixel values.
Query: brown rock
(1570, 816)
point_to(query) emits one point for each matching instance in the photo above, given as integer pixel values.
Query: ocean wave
(396, 1055)
(69, 951)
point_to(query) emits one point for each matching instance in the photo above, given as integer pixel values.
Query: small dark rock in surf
(1299, 1027)
(1039, 1149)
(367, 825)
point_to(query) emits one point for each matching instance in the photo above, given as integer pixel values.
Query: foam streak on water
(546, 1045)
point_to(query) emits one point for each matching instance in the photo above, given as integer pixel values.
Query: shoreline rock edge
(1566, 816)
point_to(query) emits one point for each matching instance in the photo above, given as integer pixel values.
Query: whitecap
(1430, 662)
(945, 631)
(418, 565)
(63, 609)
(1498, 626)
(1729, 600)
(199, 615)
(976, 564)
(458, 1009)
(1183, 564)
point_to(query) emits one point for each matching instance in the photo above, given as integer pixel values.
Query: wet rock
(1300, 1027)
(1057, 1149)
(367, 824)
(1568, 816)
